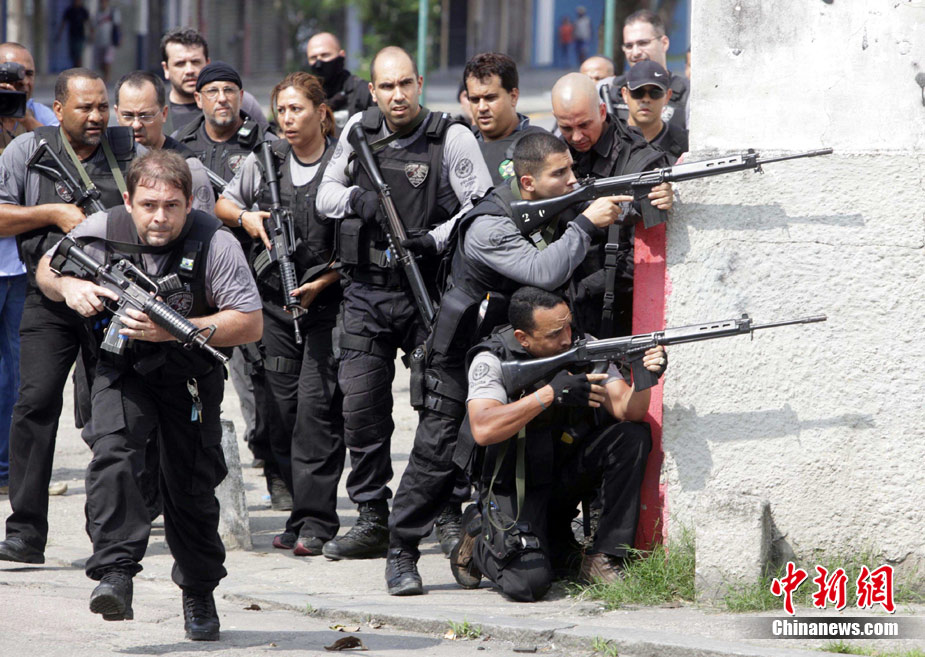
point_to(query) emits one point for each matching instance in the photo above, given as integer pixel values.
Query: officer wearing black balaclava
(346, 93)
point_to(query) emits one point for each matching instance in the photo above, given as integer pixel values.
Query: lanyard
(110, 160)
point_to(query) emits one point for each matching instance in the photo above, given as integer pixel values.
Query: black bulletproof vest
(35, 243)
(226, 157)
(412, 173)
(187, 259)
(460, 319)
(549, 436)
(314, 235)
(499, 154)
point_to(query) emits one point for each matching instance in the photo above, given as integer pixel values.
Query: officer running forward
(569, 437)
(491, 85)
(301, 378)
(345, 93)
(157, 383)
(491, 259)
(434, 168)
(603, 146)
(39, 211)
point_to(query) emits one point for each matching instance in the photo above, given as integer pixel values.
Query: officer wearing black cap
(39, 210)
(646, 93)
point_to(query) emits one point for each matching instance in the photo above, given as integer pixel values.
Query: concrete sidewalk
(45, 608)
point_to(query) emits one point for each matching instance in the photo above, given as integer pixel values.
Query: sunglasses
(654, 93)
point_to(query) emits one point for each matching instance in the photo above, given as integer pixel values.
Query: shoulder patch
(204, 194)
(480, 371)
(463, 168)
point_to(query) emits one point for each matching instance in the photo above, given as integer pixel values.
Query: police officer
(491, 85)
(184, 52)
(603, 146)
(491, 259)
(346, 94)
(156, 383)
(569, 437)
(301, 378)
(646, 93)
(38, 210)
(434, 168)
(644, 38)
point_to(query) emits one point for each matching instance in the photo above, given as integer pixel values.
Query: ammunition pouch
(506, 544)
(444, 396)
(350, 239)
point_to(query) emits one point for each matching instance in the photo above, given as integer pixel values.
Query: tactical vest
(413, 175)
(187, 259)
(35, 243)
(352, 97)
(550, 436)
(499, 154)
(225, 157)
(314, 237)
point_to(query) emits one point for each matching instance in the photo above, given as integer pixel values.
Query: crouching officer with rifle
(430, 168)
(537, 452)
(151, 381)
(301, 296)
(50, 179)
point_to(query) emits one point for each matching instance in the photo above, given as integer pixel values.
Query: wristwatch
(241, 218)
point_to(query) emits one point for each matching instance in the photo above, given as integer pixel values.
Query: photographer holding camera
(17, 74)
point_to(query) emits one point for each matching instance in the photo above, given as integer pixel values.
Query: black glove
(571, 389)
(422, 245)
(365, 205)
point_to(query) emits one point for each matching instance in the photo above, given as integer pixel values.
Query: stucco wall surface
(825, 421)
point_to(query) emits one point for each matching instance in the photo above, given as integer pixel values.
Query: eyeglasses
(144, 118)
(212, 92)
(642, 44)
(653, 92)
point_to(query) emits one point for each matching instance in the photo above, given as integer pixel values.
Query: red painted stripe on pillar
(650, 283)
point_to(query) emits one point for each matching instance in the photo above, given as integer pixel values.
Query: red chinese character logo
(785, 586)
(876, 587)
(830, 589)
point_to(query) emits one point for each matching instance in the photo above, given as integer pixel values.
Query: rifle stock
(530, 216)
(395, 230)
(518, 375)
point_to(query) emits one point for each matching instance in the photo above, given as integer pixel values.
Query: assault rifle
(218, 183)
(135, 290)
(87, 199)
(517, 375)
(395, 230)
(281, 232)
(530, 216)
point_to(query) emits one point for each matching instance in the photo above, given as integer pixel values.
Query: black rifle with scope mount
(281, 232)
(630, 349)
(87, 200)
(531, 216)
(395, 229)
(135, 290)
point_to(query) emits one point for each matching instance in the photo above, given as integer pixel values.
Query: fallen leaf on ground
(344, 628)
(347, 643)
(450, 635)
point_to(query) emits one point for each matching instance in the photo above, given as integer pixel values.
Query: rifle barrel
(796, 156)
(788, 322)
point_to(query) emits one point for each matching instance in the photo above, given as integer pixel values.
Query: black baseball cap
(647, 72)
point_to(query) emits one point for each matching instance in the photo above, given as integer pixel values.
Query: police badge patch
(416, 172)
(667, 112)
(235, 162)
(480, 370)
(506, 169)
(181, 301)
(63, 192)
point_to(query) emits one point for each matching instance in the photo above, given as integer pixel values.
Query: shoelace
(199, 606)
(404, 563)
(114, 577)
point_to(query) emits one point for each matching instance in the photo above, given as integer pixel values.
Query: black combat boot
(446, 527)
(113, 596)
(16, 549)
(401, 573)
(367, 539)
(200, 619)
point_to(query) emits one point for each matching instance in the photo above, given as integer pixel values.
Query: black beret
(218, 71)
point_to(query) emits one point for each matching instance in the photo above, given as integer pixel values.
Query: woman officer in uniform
(302, 379)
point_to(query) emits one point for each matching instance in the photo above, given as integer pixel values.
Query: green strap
(110, 160)
(519, 481)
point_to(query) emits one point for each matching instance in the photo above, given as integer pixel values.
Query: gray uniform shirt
(229, 283)
(495, 241)
(245, 186)
(462, 176)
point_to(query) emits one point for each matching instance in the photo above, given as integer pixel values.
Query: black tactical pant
(126, 409)
(249, 381)
(377, 321)
(431, 479)
(50, 336)
(612, 461)
(302, 385)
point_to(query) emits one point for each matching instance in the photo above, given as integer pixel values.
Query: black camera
(12, 103)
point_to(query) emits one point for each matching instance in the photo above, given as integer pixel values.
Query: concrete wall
(826, 422)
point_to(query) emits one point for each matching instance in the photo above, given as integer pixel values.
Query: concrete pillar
(234, 523)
